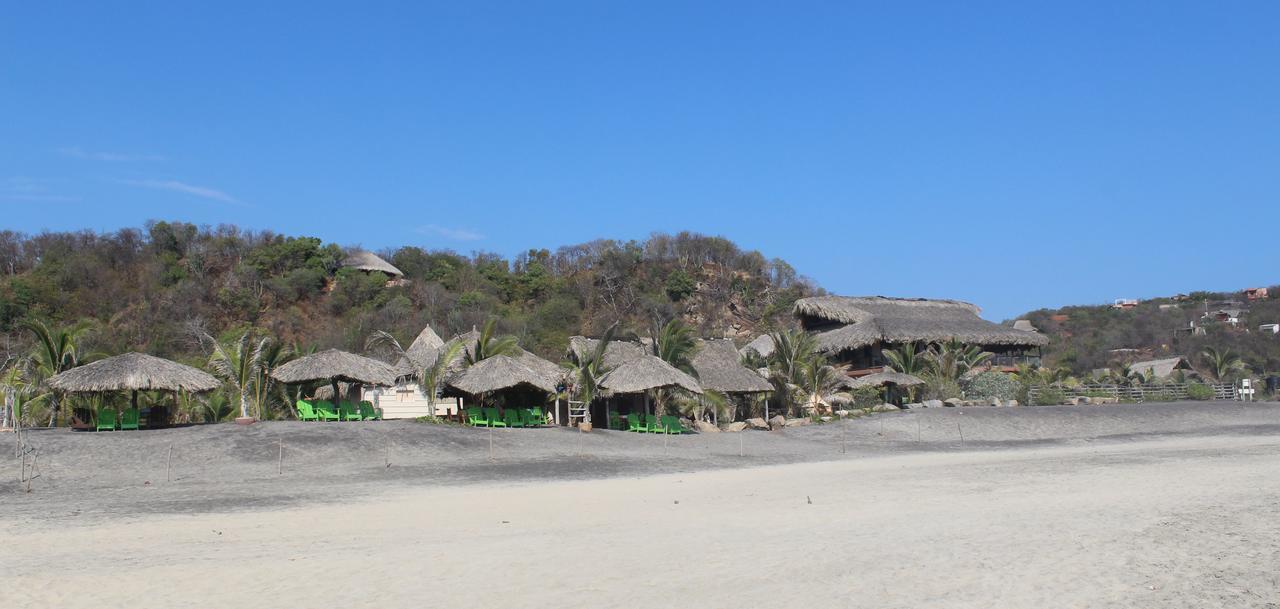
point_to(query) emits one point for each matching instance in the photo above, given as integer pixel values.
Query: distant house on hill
(1160, 368)
(1060, 317)
(370, 262)
(1230, 316)
(855, 331)
(1256, 294)
(1272, 328)
(1125, 303)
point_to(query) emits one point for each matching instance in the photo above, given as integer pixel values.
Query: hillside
(1089, 337)
(157, 288)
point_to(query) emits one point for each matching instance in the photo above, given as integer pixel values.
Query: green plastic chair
(634, 423)
(324, 409)
(106, 419)
(129, 419)
(348, 411)
(368, 412)
(306, 412)
(652, 424)
(536, 417)
(495, 420)
(514, 417)
(475, 417)
(615, 421)
(672, 424)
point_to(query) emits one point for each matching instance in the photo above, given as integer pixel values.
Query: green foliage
(991, 384)
(680, 285)
(865, 397)
(1049, 396)
(1199, 391)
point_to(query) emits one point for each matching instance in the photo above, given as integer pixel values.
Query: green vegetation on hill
(161, 288)
(1084, 338)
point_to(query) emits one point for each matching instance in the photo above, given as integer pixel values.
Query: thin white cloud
(203, 192)
(455, 234)
(34, 190)
(77, 152)
(39, 198)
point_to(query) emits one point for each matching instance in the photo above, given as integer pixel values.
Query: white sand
(1186, 522)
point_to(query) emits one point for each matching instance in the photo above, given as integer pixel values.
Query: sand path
(1190, 522)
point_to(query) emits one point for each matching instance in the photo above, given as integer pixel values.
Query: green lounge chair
(514, 417)
(106, 419)
(368, 412)
(615, 421)
(634, 423)
(306, 412)
(536, 417)
(673, 425)
(129, 419)
(349, 411)
(475, 417)
(495, 420)
(652, 424)
(324, 409)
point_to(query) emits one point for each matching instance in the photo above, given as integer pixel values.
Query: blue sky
(1016, 155)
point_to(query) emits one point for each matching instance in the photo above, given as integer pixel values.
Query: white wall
(407, 402)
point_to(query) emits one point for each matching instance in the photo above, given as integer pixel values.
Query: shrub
(1199, 391)
(1049, 396)
(937, 388)
(992, 384)
(865, 397)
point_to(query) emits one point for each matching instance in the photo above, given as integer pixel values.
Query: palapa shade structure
(368, 261)
(888, 377)
(335, 366)
(720, 369)
(497, 373)
(133, 372)
(645, 373)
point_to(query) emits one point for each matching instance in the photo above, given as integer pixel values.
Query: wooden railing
(1138, 393)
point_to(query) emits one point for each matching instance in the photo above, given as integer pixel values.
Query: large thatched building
(856, 330)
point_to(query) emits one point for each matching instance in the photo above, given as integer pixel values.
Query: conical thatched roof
(424, 348)
(888, 377)
(763, 345)
(497, 373)
(617, 353)
(644, 373)
(335, 365)
(845, 323)
(368, 261)
(134, 372)
(719, 368)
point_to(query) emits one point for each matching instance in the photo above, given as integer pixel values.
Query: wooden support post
(168, 464)
(280, 457)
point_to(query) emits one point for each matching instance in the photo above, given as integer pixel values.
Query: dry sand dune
(1070, 507)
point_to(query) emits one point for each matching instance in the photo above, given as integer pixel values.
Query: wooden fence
(1138, 393)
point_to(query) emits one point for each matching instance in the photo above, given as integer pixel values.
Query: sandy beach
(1055, 514)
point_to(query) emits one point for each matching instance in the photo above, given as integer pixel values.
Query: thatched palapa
(617, 353)
(644, 373)
(844, 323)
(720, 369)
(368, 261)
(133, 372)
(498, 373)
(334, 366)
(888, 377)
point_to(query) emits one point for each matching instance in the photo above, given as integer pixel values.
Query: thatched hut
(498, 373)
(335, 366)
(632, 374)
(370, 262)
(855, 330)
(134, 372)
(719, 367)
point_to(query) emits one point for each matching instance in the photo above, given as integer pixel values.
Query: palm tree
(675, 344)
(13, 381)
(273, 354)
(488, 345)
(56, 350)
(432, 375)
(792, 351)
(818, 382)
(589, 368)
(950, 360)
(907, 359)
(238, 363)
(1221, 365)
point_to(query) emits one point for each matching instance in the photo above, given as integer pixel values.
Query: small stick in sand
(386, 457)
(168, 463)
(280, 457)
(961, 432)
(490, 442)
(843, 427)
(917, 429)
(740, 434)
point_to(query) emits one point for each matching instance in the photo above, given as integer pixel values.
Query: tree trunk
(244, 404)
(53, 409)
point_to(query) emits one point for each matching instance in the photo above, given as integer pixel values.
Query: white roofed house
(854, 331)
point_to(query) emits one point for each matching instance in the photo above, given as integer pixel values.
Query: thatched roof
(617, 353)
(368, 261)
(644, 373)
(888, 377)
(846, 322)
(497, 373)
(762, 345)
(134, 372)
(423, 349)
(335, 365)
(1160, 368)
(719, 368)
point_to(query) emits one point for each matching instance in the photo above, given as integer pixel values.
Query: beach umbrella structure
(335, 366)
(887, 377)
(498, 373)
(133, 372)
